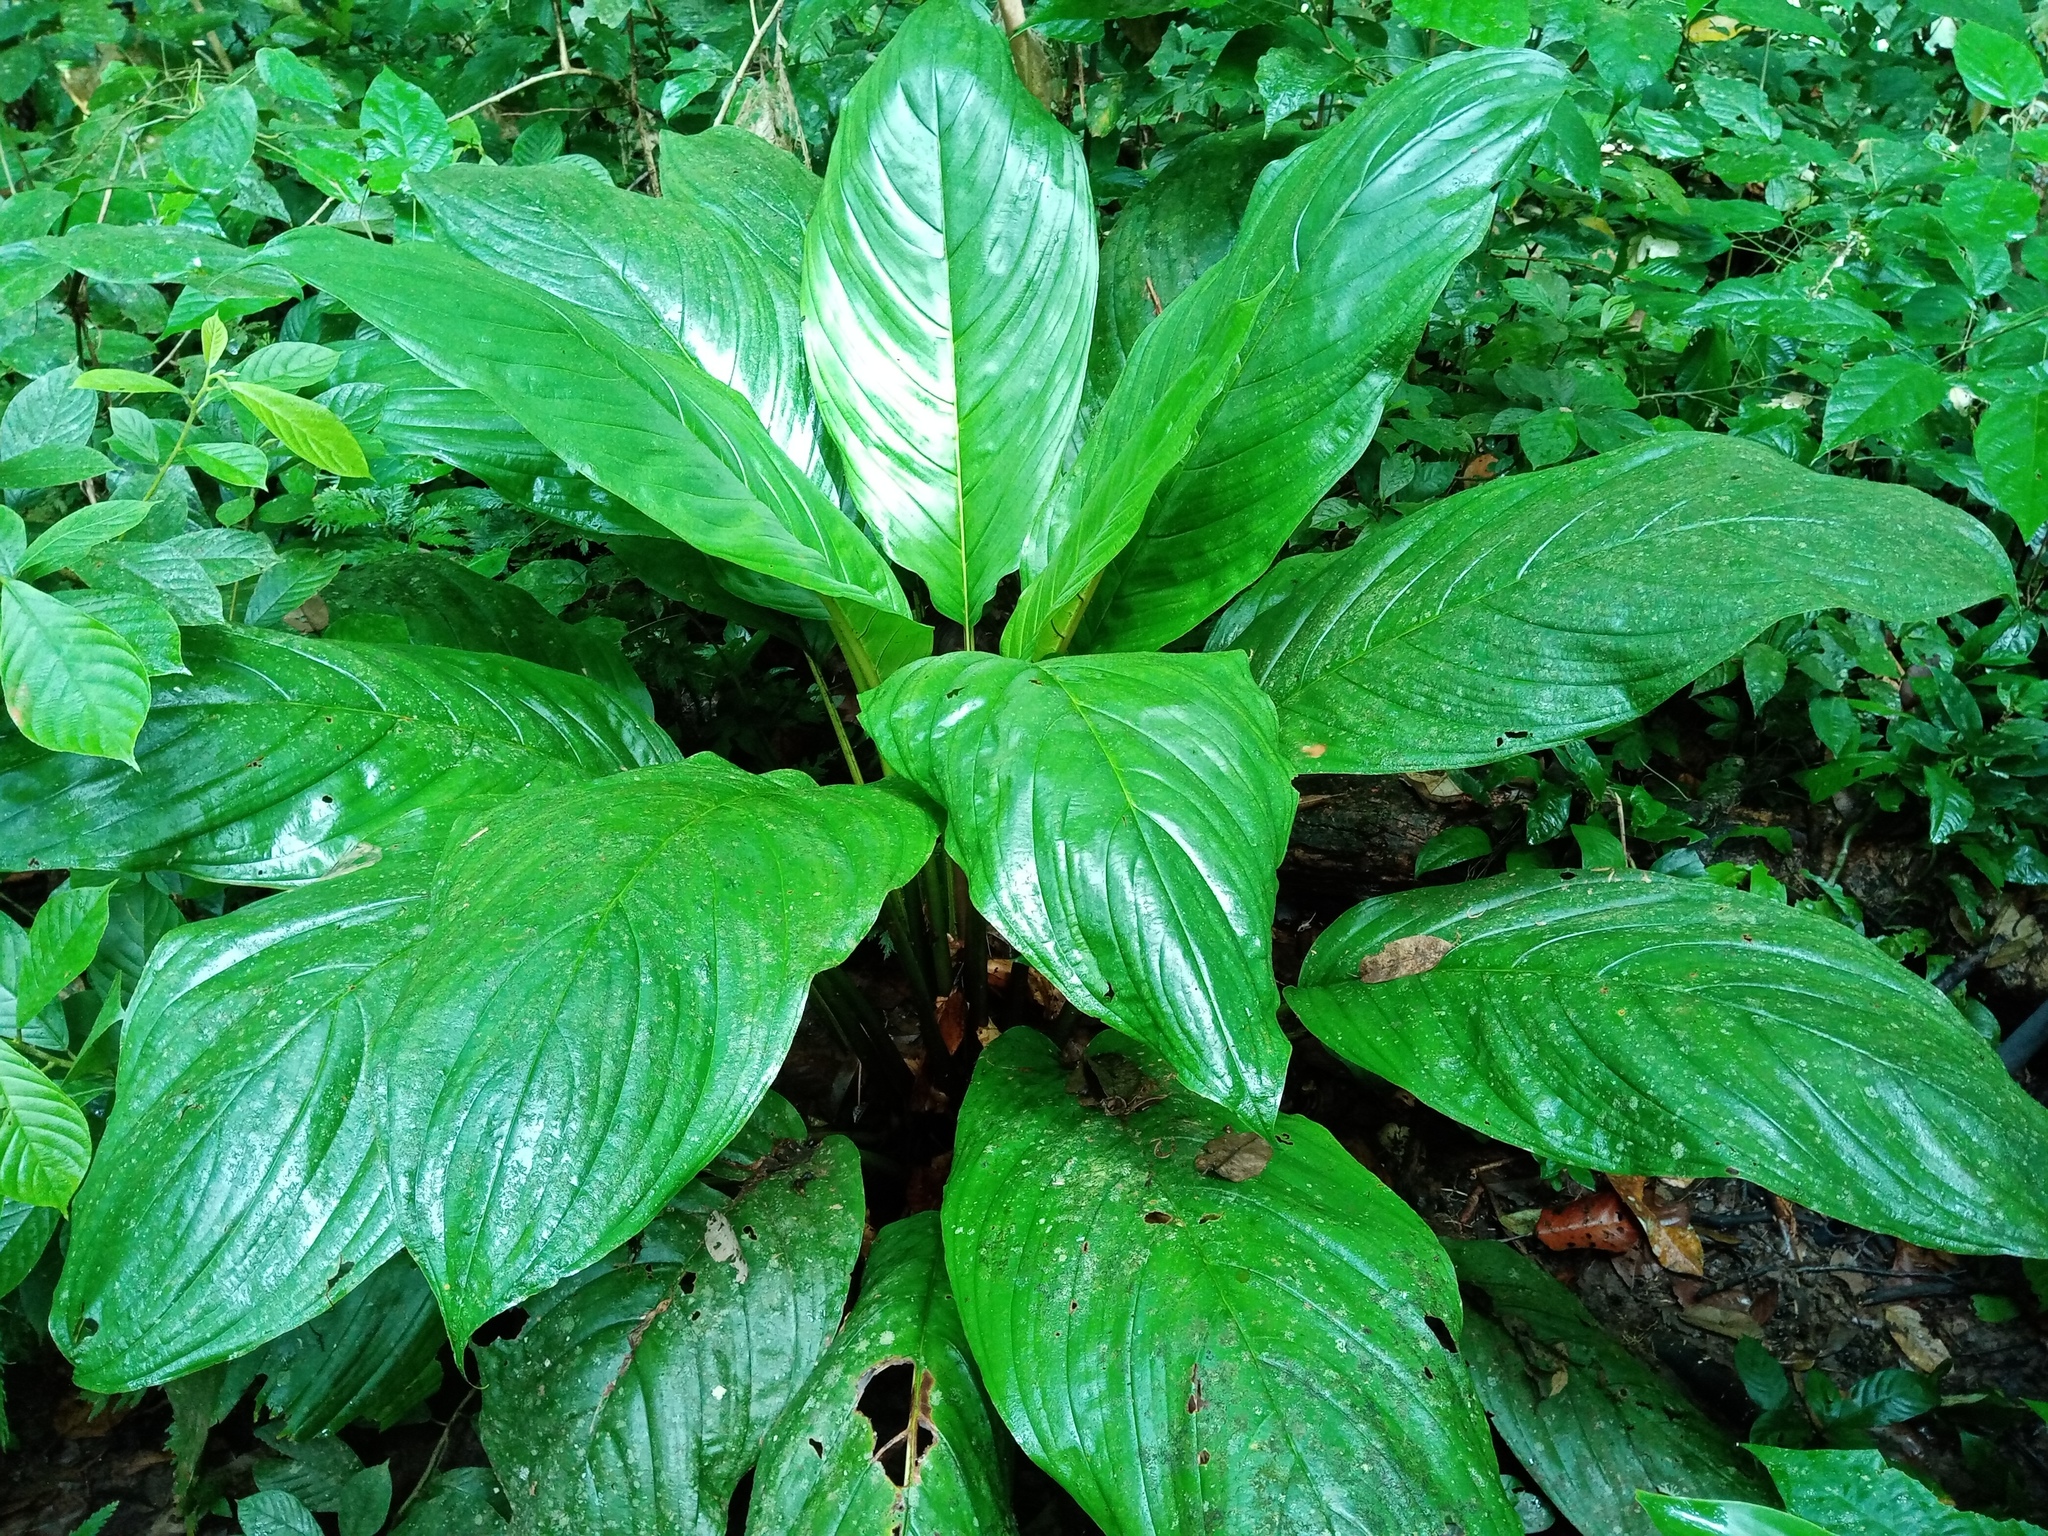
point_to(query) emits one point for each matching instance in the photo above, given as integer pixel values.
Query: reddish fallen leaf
(999, 968)
(1668, 1227)
(953, 1019)
(1598, 1221)
(1479, 467)
(1048, 997)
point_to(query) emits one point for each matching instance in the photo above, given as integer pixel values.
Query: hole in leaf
(736, 1511)
(750, 1232)
(89, 1327)
(819, 1447)
(1158, 1218)
(895, 1399)
(327, 799)
(688, 1284)
(1443, 1334)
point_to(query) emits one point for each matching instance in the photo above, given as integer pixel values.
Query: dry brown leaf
(1916, 1342)
(952, 1010)
(1729, 1322)
(1235, 1155)
(1411, 956)
(1668, 1227)
(1597, 1221)
(1044, 993)
(1438, 787)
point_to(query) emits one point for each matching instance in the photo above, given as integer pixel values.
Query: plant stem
(513, 90)
(838, 725)
(746, 60)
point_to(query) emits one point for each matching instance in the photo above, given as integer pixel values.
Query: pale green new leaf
(620, 969)
(1121, 820)
(242, 464)
(306, 427)
(1646, 1024)
(830, 1468)
(638, 1394)
(124, 381)
(1544, 607)
(287, 365)
(237, 1192)
(949, 277)
(1350, 242)
(44, 1141)
(1194, 1357)
(71, 683)
(653, 429)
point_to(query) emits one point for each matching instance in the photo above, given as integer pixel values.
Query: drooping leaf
(1647, 1024)
(242, 464)
(1349, 243)
(278, 754)
(431, 600)
(1854, 1493)
(2012, 446)
(44, 1141)
(51, 464)
(375, 1356)
(1544, 607)
(1590, 1421)
(237, 1192)
(624, 964)
(949, 276)
(1121, 820)
(891, 1432)
(1190, 1355)
(71, 683)
(638, 1394)
(653, 429)
(708, 268)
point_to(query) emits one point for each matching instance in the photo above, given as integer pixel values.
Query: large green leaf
(278, 754)
(1854, 1493)
(622, 967)
(1350, 243)
(44, 1141)
(237, 1192)
(71, 683)
(1195, 1357)
(1166, 235)
(892, 1432)
(420, 412)
(1590, 1421)
(1723, 1517)
(427, 599)
(638, 1394)
(1544, 607)
(1652, 1025)
(686, 271)
(375, 1356)
(1121, 820)
(653, 428)
(949, 277)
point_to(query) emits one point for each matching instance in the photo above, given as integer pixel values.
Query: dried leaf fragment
(1598, 1221)
(1916, 1342)
(1411, 956)
(1235, 1155)
(1668, 1227)
(723, 1244)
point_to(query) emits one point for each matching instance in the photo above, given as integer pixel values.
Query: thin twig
(434, 1460)
(513, 90)
(746, 61)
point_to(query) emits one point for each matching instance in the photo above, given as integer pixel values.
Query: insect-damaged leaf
(892, 1432)
(277, 754)
(620, 969)
(1120, 820)
(236, 1192)
(1543, 607)
(1654, 1025)
(1191, 1357)
(638, 1393)
(1590, 1421)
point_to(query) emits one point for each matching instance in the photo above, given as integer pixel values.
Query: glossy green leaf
(949, 277)
(1998, 69)
(1544, 607)
(375, 1356)
(1651, 1025)
(892, 1432)
(288, 365)
(61, 944)
(279, 754)
(710, 268)
(438, 601)
(124, 381)
(1350, 243)
(463, 1501)
(365, 1502)
(71, 683)
(1121, 820)
(2012, 447)
(1590, 1421)
(25, 1231)
(47, 412)
(624, 964)
(50, 465)
(638, 1394)
(161, 572)
(1881, 395)
(653, 429)
(1723, 1517)
(401, 122)
(306, 427)
(73, 534)
(141, 621)
(1484, 23)
(237, 1192)
(1854, 1493)
(44, 1141)
(1194, 1357)
(242, 464)
(208, 151)
(274, 1512)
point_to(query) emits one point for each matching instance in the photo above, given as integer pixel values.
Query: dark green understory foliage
(536, 534)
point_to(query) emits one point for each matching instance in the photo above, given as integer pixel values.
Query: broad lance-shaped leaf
(278, 754)
(375, 1356)
(710, 268)
(237, 1192)
(1544, 607)
(637, 1395)
(949, 277)
(1350, 242)
(1121, 820)
(622, 967)
(1590, 1421)
(892, 1432)
(1653, 1025)
(652, 428)
(1194, 1357)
